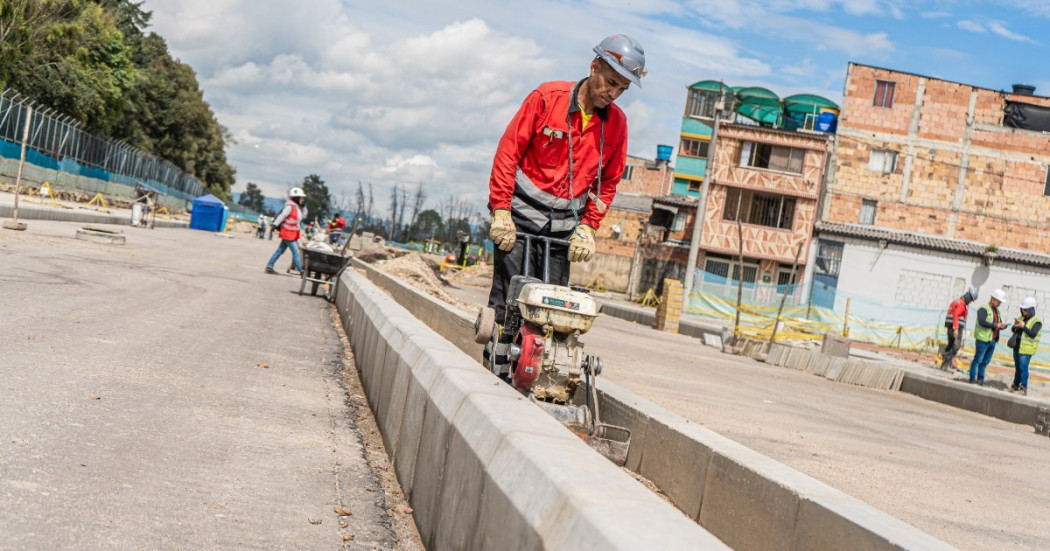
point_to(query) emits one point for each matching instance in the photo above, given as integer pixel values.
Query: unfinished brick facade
(728, 172)
(958, 171)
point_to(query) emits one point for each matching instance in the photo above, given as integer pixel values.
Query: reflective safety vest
(1029, 344)
(290, 225)
(986, 334)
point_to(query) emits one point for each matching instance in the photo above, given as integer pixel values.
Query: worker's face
(605, 84)
(995, 303)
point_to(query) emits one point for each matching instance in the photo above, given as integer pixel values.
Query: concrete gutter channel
(485, 469)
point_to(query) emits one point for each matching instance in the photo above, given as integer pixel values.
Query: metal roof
(632, 202)
(930, 242)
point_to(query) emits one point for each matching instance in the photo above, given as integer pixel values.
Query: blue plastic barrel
(827, 122)
(663, 152)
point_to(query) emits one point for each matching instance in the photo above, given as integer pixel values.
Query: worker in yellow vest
(986, 335)
(1026, 332)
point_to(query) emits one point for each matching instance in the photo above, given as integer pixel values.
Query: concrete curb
(645, 317)
(993, 403)
(744, 498)
(483, 468)
(33, 212)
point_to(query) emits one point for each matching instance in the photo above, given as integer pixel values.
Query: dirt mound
(422, 275)
(471, 276)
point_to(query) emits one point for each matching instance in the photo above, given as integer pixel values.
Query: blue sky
(420, 91)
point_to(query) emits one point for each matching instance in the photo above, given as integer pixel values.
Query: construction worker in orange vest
(955, 323)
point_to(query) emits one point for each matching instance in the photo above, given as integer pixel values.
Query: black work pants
(508, 264)
(954, 344)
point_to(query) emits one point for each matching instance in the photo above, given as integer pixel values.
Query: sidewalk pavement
(169, 394)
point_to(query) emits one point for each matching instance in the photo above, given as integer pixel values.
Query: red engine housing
(530, 361)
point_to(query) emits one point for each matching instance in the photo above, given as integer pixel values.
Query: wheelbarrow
(321, 268)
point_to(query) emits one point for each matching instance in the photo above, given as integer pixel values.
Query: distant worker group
(1024, 340)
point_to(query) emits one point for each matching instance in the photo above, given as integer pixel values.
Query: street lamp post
(701, 207)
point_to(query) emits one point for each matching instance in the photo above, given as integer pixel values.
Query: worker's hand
(502, 230)
(581, 244)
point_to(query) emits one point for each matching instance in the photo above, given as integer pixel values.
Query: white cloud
(994, 27)
(403, 92)
(1000, 29)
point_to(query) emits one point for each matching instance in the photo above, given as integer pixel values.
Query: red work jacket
(956, 315)
(530, 172)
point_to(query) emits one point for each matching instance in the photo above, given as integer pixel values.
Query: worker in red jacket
(955, 323)
(557, 166)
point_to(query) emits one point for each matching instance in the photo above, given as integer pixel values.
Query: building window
(867, 212)
(679, 221)
(884, 90)
(628, 172)
(694, 186)
(694, 148)
(1046, 185)
(883, 161)
(760, 209)
(772, 157)
(700, 104)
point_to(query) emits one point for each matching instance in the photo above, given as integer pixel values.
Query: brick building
(767, 171)
(617, 238)
(935, 185)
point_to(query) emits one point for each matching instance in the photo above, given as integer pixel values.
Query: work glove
(581, 244)
(502, 231)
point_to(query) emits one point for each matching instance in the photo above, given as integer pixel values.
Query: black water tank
(1024, 89)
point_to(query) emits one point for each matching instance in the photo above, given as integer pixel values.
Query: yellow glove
(502, 230)
(581, 244)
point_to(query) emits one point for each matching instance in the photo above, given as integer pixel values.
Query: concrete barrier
(482, 467)
(746, 499)
(986, 401)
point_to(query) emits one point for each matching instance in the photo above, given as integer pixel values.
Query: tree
(318, 201)
(393, 213)
(427, 225)
(95, 62)
(417, 204)
(253, 198)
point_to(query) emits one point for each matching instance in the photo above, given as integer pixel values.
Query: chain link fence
(60, 152)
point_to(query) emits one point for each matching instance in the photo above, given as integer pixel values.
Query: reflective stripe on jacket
(1029, 344)
(987, 334)
(956, 316)
(531, 166)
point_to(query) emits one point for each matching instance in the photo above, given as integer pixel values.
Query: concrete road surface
(168, 394)
(971, 480)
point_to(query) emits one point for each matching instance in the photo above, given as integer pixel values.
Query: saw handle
(546, 252)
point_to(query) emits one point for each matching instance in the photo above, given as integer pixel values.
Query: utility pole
(705, 188)
(14, 224)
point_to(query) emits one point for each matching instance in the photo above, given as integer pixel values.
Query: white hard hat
(625, 55)
(1028, 302)
(999, 295)
(296, 192)
(972, 292)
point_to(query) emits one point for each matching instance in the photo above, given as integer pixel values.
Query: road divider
(482, 467)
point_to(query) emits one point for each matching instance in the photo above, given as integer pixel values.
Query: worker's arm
(1034, 330)
(611, 173)
(284, 214)
(511, 149)
(982, 318)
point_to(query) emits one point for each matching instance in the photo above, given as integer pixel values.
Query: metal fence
(58, 142)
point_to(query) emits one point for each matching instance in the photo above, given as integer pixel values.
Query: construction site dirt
(971, 480)
(167, 393)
